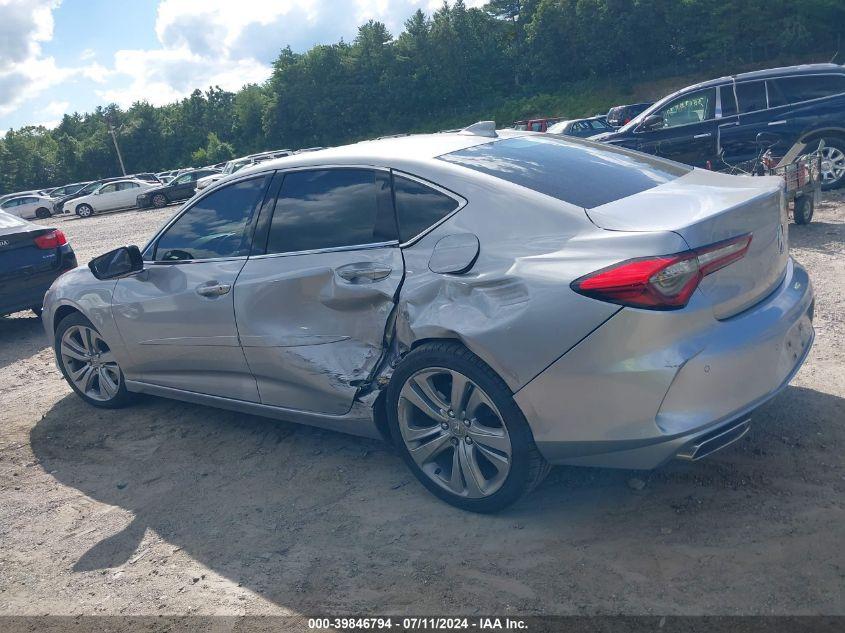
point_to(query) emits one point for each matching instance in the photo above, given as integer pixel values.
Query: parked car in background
(119, 194)
(237, 164)
(720, 119)
(65, 190)
(536, 125)
(387, 288)
(581, 128)
(32, 256)
(61, 206)
(180, 188)
(29, 206)
(618, 116)
(32, 192)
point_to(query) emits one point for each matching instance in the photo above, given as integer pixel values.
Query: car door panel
(693, 144)
(177, 316)
(171, 329)
(312, 325)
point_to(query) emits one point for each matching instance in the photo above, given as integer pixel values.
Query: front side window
(183, 180)
(751, 96)
(419, 207)
(123, 186)
(108, 189)
(216, 226)
(692, 108)
(331, 208)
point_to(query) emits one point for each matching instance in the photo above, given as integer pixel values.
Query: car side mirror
(117, 263)
(651, 122)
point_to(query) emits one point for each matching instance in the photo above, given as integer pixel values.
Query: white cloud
(220, 42)
(25, 72)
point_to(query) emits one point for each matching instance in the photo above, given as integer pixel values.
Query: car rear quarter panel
(514, 308)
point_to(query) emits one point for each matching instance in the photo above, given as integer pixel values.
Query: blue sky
(62, 56)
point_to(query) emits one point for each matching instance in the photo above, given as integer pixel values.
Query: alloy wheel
(833, 164)
(454, 432)
(89, 363)
(159, 200)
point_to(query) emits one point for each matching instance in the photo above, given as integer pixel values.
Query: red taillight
(660, 283)
(53, 239)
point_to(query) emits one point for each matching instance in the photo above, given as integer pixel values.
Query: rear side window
(331, 208)
(726, 94)
(419, 207)
(751, 96)
(578, 172)
(216, 226)
(797, 89)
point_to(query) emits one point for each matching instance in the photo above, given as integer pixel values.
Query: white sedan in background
(118, 194)
(29, 206)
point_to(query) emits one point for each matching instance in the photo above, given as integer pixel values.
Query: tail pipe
(714, 440)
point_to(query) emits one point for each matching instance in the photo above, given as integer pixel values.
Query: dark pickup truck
(719, 120)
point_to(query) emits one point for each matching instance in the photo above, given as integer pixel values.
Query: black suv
(722, 118)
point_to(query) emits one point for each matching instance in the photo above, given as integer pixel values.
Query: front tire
(833, 163)
(160, 201)
(42, 213)
(457, 427)
(84, 211)
(88, 364)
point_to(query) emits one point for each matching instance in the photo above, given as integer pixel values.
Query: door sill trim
(358, 421)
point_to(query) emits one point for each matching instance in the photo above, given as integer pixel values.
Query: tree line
(440, 71)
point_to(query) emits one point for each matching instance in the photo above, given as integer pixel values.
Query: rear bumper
(646, 387)
(27, 291)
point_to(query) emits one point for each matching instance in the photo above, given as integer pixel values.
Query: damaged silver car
(490, 302)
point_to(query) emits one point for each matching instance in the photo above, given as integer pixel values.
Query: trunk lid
(704, 207)
(19, 256)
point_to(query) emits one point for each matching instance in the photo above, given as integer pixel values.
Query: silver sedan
(490, 302)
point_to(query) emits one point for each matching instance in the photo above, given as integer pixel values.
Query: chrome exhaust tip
(714, 440)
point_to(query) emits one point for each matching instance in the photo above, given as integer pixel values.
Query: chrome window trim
(330, 249)
(462, 202)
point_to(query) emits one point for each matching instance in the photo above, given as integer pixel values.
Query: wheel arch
(818, 134)
(62, 312)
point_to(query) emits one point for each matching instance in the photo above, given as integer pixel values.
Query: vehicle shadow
(315, 520)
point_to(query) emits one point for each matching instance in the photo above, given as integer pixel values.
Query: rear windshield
(580, 173)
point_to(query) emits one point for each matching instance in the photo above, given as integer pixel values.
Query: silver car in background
(491, 302)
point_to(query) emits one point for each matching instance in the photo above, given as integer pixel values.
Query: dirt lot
(174, 508)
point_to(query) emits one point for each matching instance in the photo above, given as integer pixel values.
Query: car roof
(385, 151)
(782, 71)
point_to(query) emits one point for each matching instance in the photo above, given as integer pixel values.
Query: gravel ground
(170, 508)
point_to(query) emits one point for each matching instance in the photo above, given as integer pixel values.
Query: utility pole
(117, 148)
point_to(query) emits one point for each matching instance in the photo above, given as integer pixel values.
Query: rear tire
(42, 213)
(833, 162)
(803, 209)
(482, 433)
(88, 365)
(36, 310)
(84, 211)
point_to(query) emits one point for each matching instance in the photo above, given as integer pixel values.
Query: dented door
(312, 324)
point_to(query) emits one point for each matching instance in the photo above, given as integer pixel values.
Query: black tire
(42, 213)
(36, 310)
(528, 468)
(838, 145)
(803, 209)
(121, 399)
(84, 211)
(160, 201)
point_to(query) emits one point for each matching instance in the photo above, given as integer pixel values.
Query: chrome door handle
(705, 135)
(214, 290)
(363, 273)
(777, 123)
